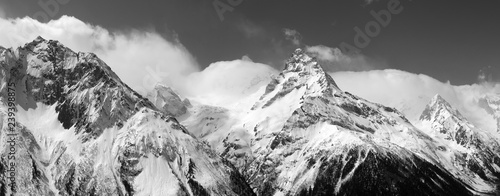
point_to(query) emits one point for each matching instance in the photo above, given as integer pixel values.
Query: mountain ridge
(299, 135)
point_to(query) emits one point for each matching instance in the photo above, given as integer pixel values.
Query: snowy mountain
(82, 131)
(472, 150)
(303, 135)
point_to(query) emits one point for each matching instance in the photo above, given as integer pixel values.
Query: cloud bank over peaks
(226, 82)
(141, 57)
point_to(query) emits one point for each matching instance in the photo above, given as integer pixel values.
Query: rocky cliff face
(82, 131)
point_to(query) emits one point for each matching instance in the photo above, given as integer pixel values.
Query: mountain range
(82, 131)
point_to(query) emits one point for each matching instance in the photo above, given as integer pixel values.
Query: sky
(447, 40)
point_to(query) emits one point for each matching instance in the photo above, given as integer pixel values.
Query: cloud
(410, 93)
(333, 60)
(293, 35)
(225, 82)
(140, 57)
(489, 74)
(325, 53)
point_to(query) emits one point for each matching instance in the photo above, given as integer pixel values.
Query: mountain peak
(438, 100)
(301, 72)
(300, 61)
(306, 67)
(46, 47)
(54, 56)
(39, 39)
(438, 106)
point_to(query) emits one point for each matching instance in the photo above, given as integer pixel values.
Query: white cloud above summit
(333, 60)
(133, 54)
(140, 57)
(293, 35)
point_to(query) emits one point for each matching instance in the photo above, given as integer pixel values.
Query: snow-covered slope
(303, 135)
(84, 132)
(473, 151)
